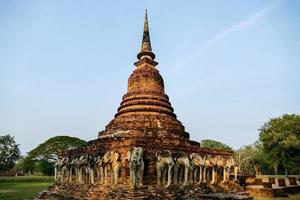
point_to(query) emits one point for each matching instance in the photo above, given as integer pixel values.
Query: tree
(24, 166)
(215, 145)
(280, 138)
(50, 149)
(9, 152)
(244, 157)
(42, 158)
(251, 159)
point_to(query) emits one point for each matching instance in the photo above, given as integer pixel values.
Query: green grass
(23, 188)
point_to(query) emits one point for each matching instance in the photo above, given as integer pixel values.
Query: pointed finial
(146, 50)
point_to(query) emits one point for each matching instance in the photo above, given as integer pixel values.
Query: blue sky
(228, 66)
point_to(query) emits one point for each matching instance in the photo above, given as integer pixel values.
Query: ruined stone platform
(259, 191)
(77, 191)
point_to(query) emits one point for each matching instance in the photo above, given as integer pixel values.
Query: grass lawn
(21, 188)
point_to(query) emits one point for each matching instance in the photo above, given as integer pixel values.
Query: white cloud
(255, 17)
(231, 29)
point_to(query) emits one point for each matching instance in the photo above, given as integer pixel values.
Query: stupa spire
(146, 50)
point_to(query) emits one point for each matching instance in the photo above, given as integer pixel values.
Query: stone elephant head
(57, 164)
(217, 161)
(111, 156)
(197, 160)
(135, 156)
(64, 161)
(164, 154)
(221, 162)
(229, 162)
(69, 162)
(74, 160)
(208, 162)
(82, 161)
(91, 160)
(99, 161)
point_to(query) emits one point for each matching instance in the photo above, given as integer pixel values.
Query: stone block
(272, 180)
(267, 184)
(292, 181)
(258, 181)
(281, 182)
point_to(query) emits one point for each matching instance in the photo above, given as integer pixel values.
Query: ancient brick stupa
(145, 120)
(145, 110)
(145, 116)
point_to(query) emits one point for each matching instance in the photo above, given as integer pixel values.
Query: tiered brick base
(150, 189)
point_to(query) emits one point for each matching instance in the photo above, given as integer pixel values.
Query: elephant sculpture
(221, 165)
(64, 168)
(80, 164)
(111, 160)
(57, 168)
(197, 162)
(229, 164)
(91, 161)
(164, 163)
(182, 161)
(227, 167)
(69, 168)
(136, 165)
(99, 165)
(215, 162)
(73, 168)
(208, 165)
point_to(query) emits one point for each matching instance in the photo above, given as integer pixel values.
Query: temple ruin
(144, 152)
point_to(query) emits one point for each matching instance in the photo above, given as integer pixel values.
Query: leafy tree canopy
(251, 159)
(9, 152)
(280, 138)
(276, 151)
(214, 144)
(50, 149)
